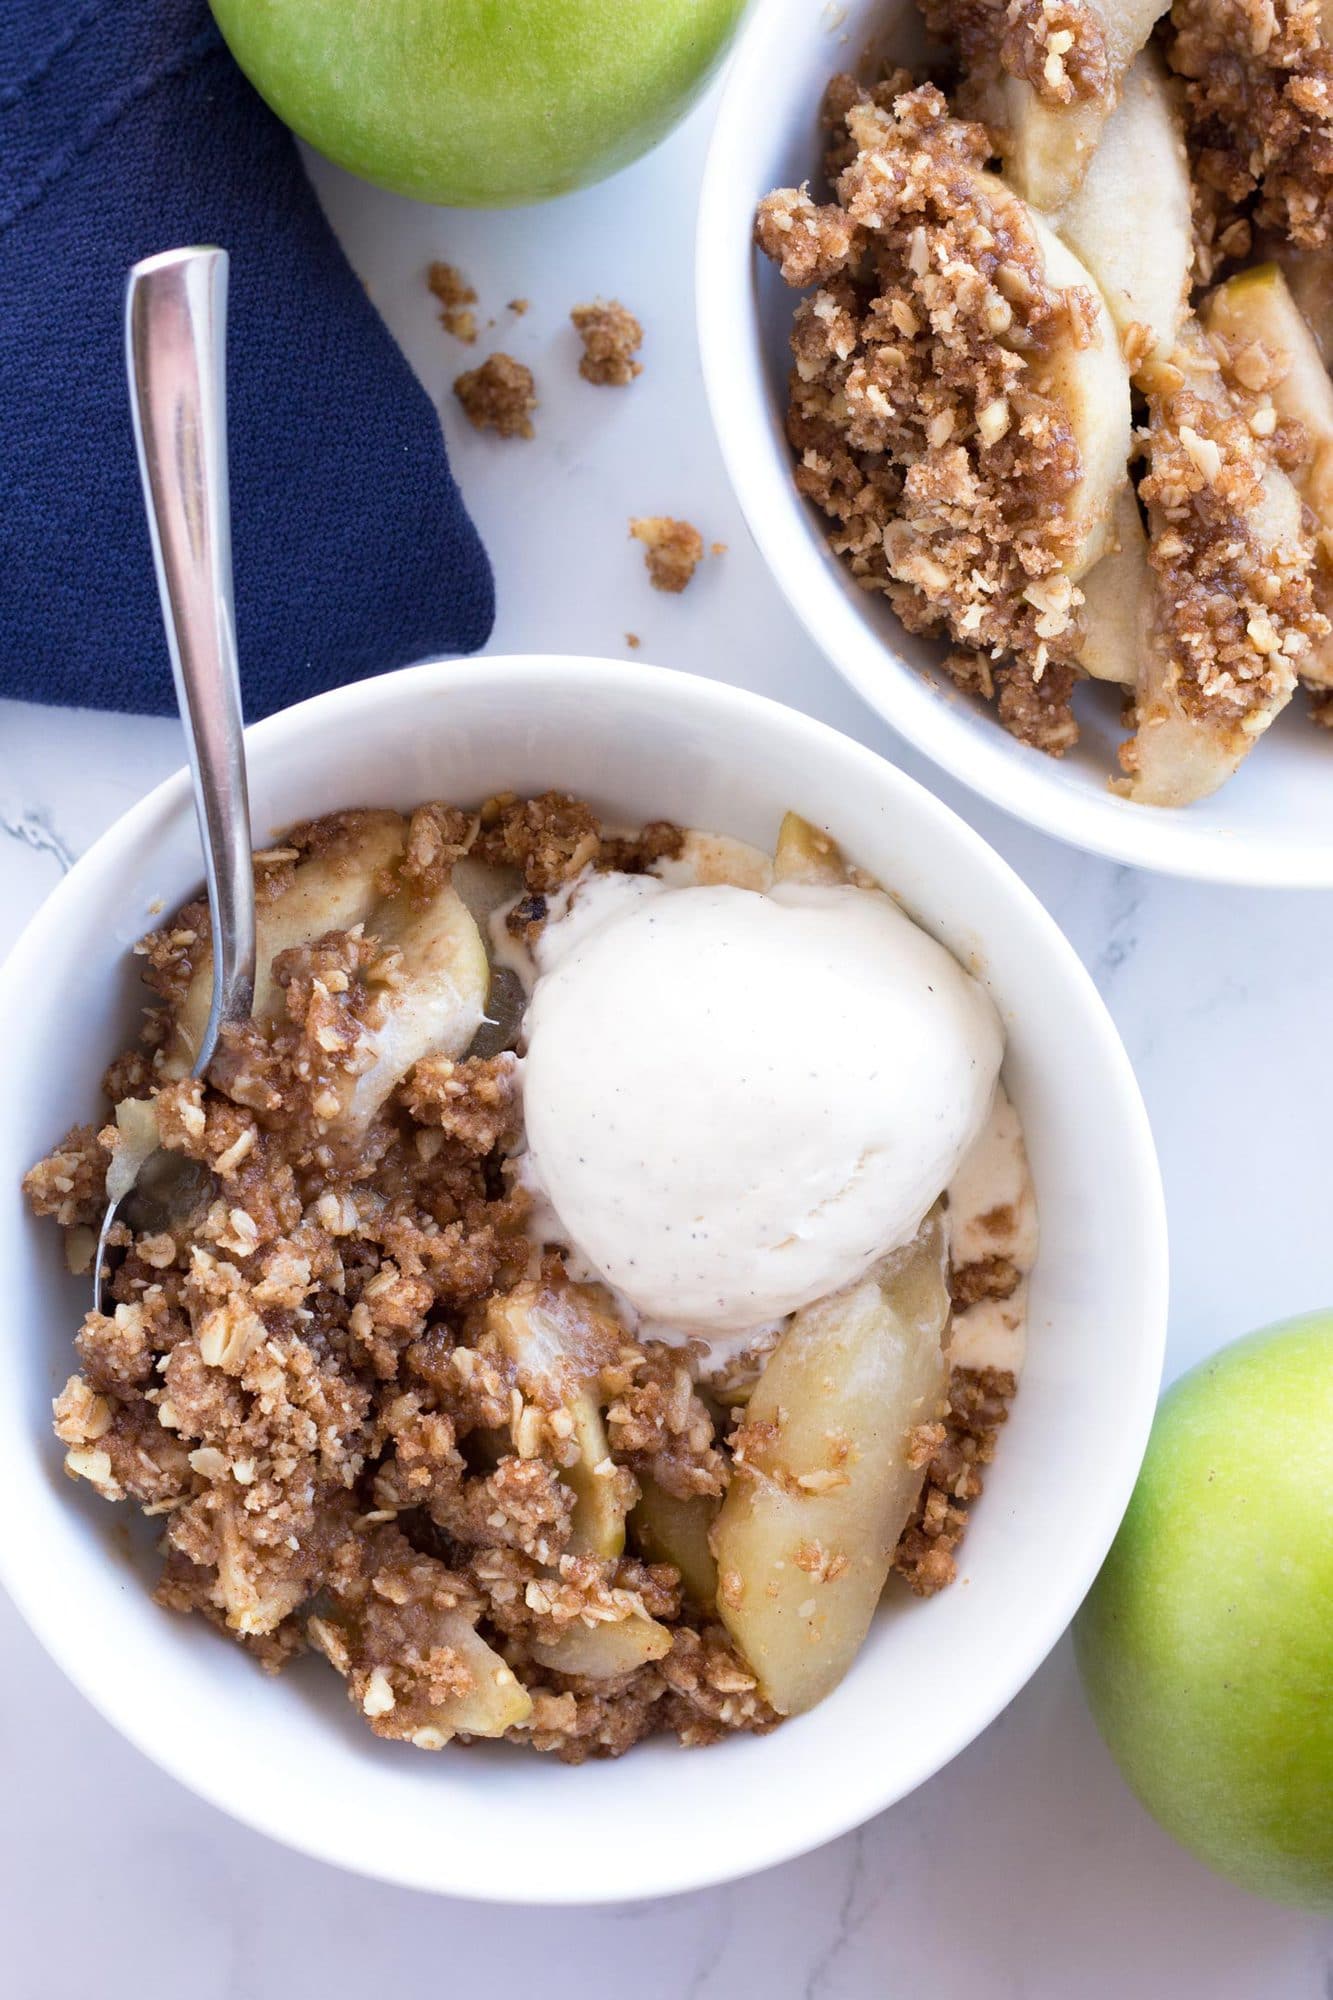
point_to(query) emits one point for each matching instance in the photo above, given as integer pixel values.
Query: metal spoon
(175, 353)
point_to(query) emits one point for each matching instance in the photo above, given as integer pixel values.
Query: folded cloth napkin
(125, 129)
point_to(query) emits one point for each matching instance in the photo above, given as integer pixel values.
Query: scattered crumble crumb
(519, 306)
(456, 297)
(499, 396)
(632, 639)
(610, 335)
(673, 550)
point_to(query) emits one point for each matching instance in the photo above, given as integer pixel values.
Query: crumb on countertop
(632, 640)
(456, 297)
(610, 335)
(673, 550)
(519, 306)
(499, 396)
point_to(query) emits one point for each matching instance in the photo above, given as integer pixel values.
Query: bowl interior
(289, 1756)
(1273, 823)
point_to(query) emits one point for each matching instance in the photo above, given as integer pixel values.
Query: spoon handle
(175, 353)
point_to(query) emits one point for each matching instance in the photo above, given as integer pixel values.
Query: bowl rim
(790, 1837)
(1161, 839)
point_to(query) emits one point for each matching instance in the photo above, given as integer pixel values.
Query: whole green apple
(1206, 1645)
(479, 103)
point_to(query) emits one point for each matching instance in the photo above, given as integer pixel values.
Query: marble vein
(854, 1909)
(1120, 939)
(33, 829)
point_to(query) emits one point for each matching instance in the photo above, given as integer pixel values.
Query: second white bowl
(1271, 825)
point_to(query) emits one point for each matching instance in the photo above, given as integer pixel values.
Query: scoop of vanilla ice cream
(736, 1102)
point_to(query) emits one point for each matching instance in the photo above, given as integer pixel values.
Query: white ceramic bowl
(289, 1756)
(1271, 825)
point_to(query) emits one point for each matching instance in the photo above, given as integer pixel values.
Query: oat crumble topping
(916, 408)
(1058, 46)
(1235, 615)
(1258, 98)
(953, 1451)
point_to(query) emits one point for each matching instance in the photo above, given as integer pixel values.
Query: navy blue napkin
(125, 129)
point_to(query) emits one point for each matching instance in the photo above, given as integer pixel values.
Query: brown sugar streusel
(500, 396)
(917, 420)
(1257, 90)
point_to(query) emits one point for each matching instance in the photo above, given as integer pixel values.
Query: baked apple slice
(1231, 613)
(669, 1529)
(604, 1651)
(1087, 377)
(400, 1702)
(804, 854)
(333, 888)
(559, 1334)
(1115, 593)
(430, 1002)
(1140, 251)
(1047, 130)
(824, 1476)
(1309, 276)
(428, 987)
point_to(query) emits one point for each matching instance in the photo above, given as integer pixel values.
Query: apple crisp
(373, 1412)
(1011, 395)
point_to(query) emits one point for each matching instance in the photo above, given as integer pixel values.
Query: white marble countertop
(1025, 1869)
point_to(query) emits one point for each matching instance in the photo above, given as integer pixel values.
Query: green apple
(1206, 1645)
(479, 103)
